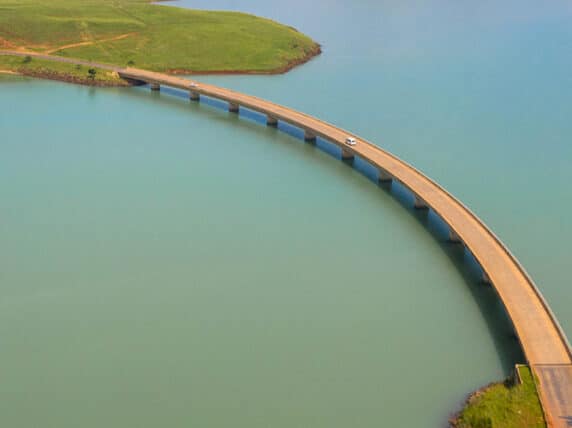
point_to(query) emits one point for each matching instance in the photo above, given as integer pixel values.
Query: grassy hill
(151, 36)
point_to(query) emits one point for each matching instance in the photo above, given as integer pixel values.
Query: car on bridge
(351, 141)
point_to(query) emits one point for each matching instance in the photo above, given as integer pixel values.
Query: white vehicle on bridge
(194, 85)
(351, 141)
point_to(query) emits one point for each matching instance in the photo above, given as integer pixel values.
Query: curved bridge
(542, 339)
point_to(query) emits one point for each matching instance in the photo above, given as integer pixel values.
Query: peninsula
(150, 36)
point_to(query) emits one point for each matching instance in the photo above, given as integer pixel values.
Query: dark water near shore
(169, 264)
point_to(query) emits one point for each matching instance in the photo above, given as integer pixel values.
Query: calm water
(169, 264)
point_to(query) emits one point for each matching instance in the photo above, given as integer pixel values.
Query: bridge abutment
(155, 86)
(271, 121)
(194, 96)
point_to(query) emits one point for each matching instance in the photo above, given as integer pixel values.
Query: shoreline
(314, 52)
(455, 418)
(68, 78)
(60, 76)
(317, 50)
(515, 398)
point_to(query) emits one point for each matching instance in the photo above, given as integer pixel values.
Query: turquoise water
(165, 263)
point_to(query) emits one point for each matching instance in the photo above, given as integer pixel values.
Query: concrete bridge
(543, 341)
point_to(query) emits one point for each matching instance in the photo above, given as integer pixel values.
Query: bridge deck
(543, 341)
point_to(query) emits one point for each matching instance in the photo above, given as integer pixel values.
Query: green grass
(59, 71)
(159, 37)
(504, 405)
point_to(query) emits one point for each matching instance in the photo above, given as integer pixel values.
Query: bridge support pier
(453, 237)
(420, 204)
(309, 136)
(347, 155)
(485, 279)
(233, 108)
(271, 121)
(155, 86)
(194, 96)
(384, 177)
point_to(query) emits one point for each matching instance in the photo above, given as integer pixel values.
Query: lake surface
(165, 263)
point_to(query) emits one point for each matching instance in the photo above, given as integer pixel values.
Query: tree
(27, 59)
(92, 72)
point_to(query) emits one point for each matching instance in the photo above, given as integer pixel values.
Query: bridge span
(543, 341)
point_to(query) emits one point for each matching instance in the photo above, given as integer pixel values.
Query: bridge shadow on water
(490, 306)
